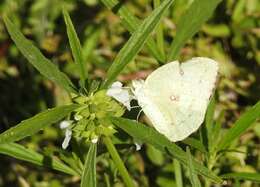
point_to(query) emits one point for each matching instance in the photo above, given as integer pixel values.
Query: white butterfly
(175, 96)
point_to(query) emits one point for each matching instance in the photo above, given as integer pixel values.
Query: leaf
(193, 177)
(88, 178)
(36, 58)
(131, 23)
(149, 135)
(33, 125)
(136, 41)
(91, 42)
(242, 176)
(195, 144)
(178, 173)
(20, 152)
(159, 32)
(118, 162)
(207, 129)
(75, 47)
(198, 13)
(240, 126)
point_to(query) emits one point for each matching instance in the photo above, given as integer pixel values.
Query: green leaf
(131, 23)
(136, 41)
(242, 176)
(36, 58)
(38, 122)
(91, 42)
(159, 32)
(240, 126)
(193, 177)
(198, 13)
(88, 178)
(118, 162)
(20, 152)
(207, 129)
(75, 47)
(195, 144)
(149, 135)
(178, 173)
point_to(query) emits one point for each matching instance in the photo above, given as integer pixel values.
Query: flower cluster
(90, 121)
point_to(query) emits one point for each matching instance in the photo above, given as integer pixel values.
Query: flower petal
(68, 134)
(65, 124)
(120, 94)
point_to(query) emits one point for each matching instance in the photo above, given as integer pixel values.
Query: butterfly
(175, 96)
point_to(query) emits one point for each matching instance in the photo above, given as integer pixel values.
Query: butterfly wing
(175, 96)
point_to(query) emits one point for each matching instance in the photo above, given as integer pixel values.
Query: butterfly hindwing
(175, 96)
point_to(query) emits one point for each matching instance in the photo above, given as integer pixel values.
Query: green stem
(211, 163)
(119, 163)
(177, 171)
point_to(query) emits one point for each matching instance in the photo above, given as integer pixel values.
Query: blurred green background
(231, 37)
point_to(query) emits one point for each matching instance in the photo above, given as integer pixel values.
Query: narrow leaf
(136, 41)
(195, 144)
(36, 58)
(149, 135)
(242, 176)
(240, 126)
(193, 177)
(178, 173)
(198, 13)
(118, 162)
(131, 23)
(20, 152)
(75, 47)
(91, 42)
(88, 178)
(38, 122)
(159, 32)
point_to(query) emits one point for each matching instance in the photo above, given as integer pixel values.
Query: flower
(68, 133)
(120, 94)
(94, 140)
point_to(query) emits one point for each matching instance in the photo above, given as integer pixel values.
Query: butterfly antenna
(138, 115)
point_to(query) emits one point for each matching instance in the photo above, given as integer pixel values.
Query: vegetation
(77, 49)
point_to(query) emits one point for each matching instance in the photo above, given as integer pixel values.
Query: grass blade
(159, 32)
(88, 178)
(38, 122)
(193, 177)
(136, 41)
(20, 152)
(242, 176)
(198, 13)
(75, 47)
(240, 126)
(151, 136)
(36, 58)
(131, 23)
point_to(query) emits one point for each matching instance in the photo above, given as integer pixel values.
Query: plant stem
(119, 163)
(177, 171)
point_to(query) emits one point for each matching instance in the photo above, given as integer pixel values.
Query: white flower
(68, 133)
(120, 94)
(94, 140)
(65, 124)
(138, 146)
